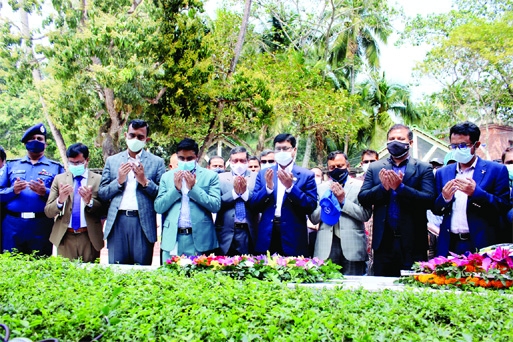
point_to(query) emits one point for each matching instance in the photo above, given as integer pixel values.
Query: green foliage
(56, 298)
(471, 58)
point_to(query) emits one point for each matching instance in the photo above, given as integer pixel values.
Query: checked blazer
(351, 224)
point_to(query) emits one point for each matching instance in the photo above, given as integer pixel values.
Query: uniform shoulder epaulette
(56, 162)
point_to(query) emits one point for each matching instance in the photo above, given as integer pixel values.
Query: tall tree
(472, 58)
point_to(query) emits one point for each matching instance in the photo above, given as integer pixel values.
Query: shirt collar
(473, 166)
(137, 156)
(42, 160)
(403, 163)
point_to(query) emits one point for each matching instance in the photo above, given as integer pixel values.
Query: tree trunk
(240, 38)
(36, 78)
(211, 132)
(261, 140)
(110, 144)
(308, 151)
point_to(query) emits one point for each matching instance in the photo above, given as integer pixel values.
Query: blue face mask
(187, 166)
(463, 155)
(77, 170)
(35, 146)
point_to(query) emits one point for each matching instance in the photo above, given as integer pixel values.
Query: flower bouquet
(269, 267)
(492, 267)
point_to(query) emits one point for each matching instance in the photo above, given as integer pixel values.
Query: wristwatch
(90, 204)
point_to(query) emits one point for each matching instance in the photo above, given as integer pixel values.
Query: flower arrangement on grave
(270, 267)
(490, 268)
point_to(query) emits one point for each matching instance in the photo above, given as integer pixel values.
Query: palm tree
(366, 25)
(385, 103)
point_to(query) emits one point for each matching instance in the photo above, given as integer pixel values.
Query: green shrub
(57, 298)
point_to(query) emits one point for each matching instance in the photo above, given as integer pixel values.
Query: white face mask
(365, 167)
(239, 169)
(283, 158)
(267, 165)
(135, 145)
(318, 180)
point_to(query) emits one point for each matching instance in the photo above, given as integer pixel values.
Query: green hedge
(56, 298)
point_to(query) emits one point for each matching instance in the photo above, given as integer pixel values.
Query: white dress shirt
(281, 191)
(459, 223)
(129, 200)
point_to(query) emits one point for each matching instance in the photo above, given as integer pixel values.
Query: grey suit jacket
(351, 224)
(63, 216)
(154, 168)
(226, 216)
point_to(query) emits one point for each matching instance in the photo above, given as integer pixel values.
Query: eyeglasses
(367, 161)
(270, 161)
(283, 148)
(460, 146)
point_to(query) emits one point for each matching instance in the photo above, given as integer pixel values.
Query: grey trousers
(127, 243)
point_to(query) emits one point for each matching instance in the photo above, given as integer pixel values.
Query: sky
(398, 62)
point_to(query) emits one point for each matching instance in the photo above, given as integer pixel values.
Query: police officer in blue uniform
(24, 188)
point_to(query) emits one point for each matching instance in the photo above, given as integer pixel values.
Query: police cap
(36, 129)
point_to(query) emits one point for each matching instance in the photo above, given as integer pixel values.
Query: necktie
(75, 212)
(240, 210)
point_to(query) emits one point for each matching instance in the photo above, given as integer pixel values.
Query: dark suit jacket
(414, 200)
(300, 202)
(484, 208)
(226, 216)
(63, 216)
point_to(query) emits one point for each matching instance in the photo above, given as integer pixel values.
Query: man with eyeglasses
(285, 194)
(368, 157)
(24, 188)
(267, 159)
(130, 182)
(472, 195)
(236, 221)
(401, 189)
(188, 196)
(74, 204)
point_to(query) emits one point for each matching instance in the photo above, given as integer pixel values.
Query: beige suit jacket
(63, 216)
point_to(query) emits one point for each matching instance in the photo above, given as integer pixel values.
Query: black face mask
(35, 146)
(398, 149)
(339, 175)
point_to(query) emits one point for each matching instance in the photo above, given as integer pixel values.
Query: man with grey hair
(236, 220)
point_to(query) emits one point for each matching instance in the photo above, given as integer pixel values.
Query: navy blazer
(296, 205)
(484, 208)
(414, 200)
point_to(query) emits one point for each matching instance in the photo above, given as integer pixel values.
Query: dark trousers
(27, 235)
(348, 267)
(389, 258)
(458, 246)
(127, 243)
(276, 245)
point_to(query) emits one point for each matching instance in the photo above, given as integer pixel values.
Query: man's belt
(185, 231)
(460, 236)
(239, 225)
(129, 213)
(25, 215)
(77, 231)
